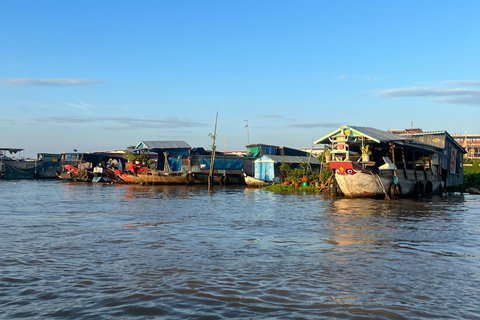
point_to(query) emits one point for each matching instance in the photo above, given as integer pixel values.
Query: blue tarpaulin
(175, 163)
(222, 164)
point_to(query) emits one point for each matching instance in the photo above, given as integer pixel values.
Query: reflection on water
(86, 251)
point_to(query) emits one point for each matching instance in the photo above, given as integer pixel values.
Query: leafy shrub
(471, 180)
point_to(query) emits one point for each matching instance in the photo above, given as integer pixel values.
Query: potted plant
(327, 154)
(366, 152)
(143, 158)
(130, 156)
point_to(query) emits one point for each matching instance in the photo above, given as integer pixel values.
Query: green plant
(325, 174)
(130, 156)
(290, 188)
(213, 146)
(366, 149)
(323, 156)
(471, 180)
(474, 168)
(142, 157)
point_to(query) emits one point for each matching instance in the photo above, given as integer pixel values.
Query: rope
(380, 183)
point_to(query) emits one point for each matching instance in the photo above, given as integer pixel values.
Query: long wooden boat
(372, 163)
(254, 182)
(128, 178)
(162, 177)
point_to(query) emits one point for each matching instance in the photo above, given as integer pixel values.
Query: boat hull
(253, 182)
(128, 178)
(356, 182)
(155, 177)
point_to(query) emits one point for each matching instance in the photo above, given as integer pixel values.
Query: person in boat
(99, 170)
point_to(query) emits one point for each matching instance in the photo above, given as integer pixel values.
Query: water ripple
(83, 251)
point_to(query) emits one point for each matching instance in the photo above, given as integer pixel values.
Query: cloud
(464, 82)
(123, 122)
(315, 125)
(25, 82)
(426, 92)
(460, 96)
(81, 105)
(272, 116)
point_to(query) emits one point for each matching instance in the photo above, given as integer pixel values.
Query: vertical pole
(404, 164)
(248, 135)
(212, 163)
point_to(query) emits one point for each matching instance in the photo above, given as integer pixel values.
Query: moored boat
(79, 174)
(372, 163)
(162, 177)
(128, 178)
(254, 182)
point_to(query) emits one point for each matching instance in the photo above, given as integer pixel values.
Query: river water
(90, 251)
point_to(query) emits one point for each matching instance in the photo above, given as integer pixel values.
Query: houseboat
(14, 167)
(177, 163)
(372, 163)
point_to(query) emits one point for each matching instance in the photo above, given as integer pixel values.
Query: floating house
(267, 167)
(43, 167)
(451, 167)
(177, 162)
(369, 162)
(257, 150)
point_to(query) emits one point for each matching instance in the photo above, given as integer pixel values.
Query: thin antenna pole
(248, 135)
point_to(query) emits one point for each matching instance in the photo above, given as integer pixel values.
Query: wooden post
(212, 163)
(414, 166)
(404, 164)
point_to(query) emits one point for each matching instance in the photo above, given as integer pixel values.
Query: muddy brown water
(87, 251)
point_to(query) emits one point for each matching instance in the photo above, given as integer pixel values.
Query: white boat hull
(356, 182)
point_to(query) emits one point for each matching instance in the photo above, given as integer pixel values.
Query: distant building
(470, 142)
(315, 151)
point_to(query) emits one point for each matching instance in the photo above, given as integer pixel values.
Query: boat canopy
(11, 150)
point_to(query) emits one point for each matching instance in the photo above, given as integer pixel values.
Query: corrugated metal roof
(289, 159)
(163, 145)
(425, 137)
(380, 135)
(372, 133)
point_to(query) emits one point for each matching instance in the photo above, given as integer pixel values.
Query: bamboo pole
(212, 163)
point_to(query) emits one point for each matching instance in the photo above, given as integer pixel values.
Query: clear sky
(97, 75)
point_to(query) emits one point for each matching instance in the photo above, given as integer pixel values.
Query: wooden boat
(104, 176)
(64, 175)
(394, 165)
(127, 178)
(79, 174)
(253, 182)
(164, 177)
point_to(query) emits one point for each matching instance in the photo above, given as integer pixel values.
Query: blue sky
(97, 75)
